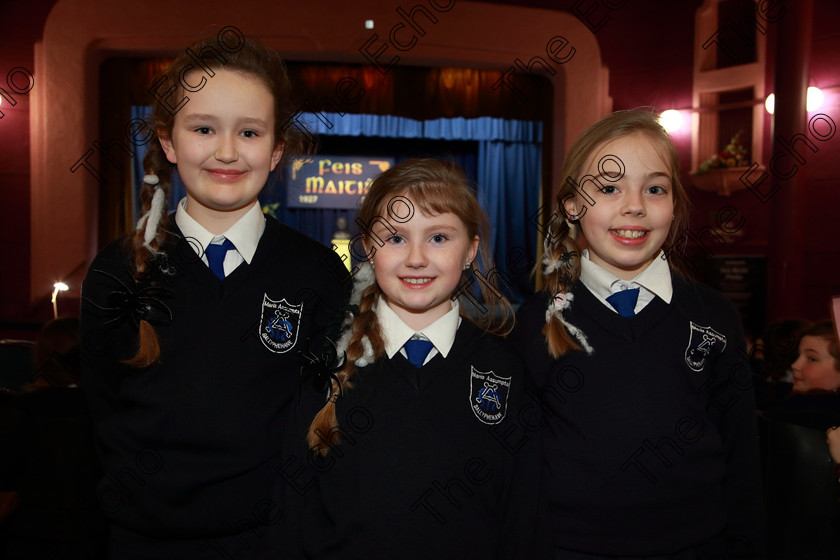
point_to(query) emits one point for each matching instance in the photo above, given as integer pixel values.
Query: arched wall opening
(80, 34)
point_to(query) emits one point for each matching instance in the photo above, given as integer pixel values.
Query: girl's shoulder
(532, 311)
(118, 249)
(292, 240)
(706, 308)
(530, 320)
(534, 303)
(115, 259)
(284, 245)
(486, 347)
(693, 295)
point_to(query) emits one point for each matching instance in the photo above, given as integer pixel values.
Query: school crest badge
(279, 324)
(703, 342)
(488, 395)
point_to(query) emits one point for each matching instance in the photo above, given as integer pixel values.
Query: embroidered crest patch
(279, 323)
(703, 342)
(488, 395)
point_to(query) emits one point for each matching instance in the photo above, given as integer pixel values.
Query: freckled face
(419, 267)
(814, 368)
(223, 144)
(632, 215)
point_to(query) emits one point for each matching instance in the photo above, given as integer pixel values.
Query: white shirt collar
(655, 279)
(441, 333)
(245, 234)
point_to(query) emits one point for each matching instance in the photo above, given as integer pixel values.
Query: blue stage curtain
(504, 158)
(509, 176)
(481, 128)
(508, 173)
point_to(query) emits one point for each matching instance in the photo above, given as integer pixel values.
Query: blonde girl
(649, 437)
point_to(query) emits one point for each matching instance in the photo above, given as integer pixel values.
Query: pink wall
(21, 24)
(654, 67)
(822, 170)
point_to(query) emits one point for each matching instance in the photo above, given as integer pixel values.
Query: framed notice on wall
(332, 181)
(743, 279)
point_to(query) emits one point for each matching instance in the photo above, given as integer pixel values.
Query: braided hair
(215, 52)
(434, 187)
(561, 258)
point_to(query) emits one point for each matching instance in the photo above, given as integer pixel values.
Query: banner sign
(332, 181)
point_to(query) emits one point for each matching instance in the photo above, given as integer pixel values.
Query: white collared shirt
(245, 235)
(655, 280)
(441, 333)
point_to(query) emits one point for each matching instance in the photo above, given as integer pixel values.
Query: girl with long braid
(193, 325)
(650, 433)
(417, 450)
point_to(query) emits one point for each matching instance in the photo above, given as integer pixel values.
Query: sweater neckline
(200, 274)
(629, 328)
(437, 366)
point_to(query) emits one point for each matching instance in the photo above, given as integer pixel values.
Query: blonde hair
(434, 187)
(250, 58)
(561, 257)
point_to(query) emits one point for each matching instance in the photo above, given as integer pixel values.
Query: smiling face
(419, 268)
(815, 367)
(223, 144)
(631, 217)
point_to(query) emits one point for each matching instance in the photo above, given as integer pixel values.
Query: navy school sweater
(428, 469)
(650, 442)
(191, 445)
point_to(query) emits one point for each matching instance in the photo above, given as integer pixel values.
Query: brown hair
(561, 244)
(434, 187)
(826, 331)
(214, 52)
